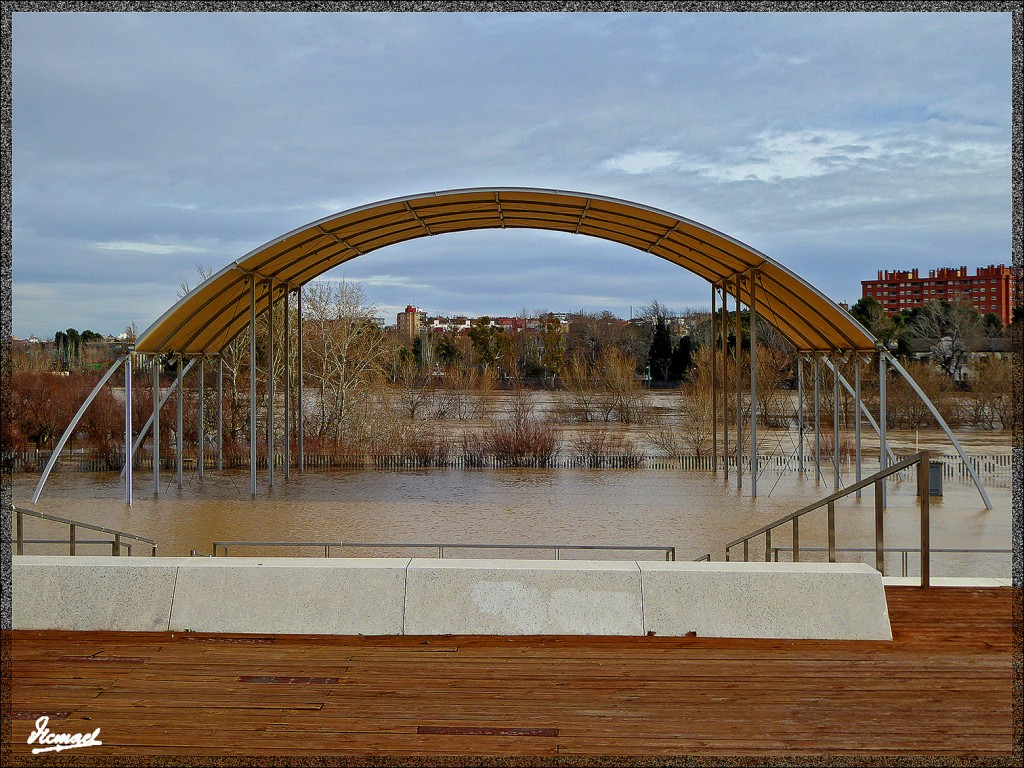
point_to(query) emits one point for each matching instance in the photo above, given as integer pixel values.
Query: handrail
(670, 552)
(73, 525)
(921, 459)
(903, 550)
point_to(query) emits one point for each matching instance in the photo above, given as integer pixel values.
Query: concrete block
(92, 593)
(841, 601)
(357, 596)
(523, 597)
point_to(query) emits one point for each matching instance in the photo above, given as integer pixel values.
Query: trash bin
(935, 478)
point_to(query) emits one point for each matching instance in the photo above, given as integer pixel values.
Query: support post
(882, 426)
(156, 425)
(179, 443)
(270, 384)
(714, 380)
(739, 394)
(817, 419)
(753, 385)
(923, 492)
(220, 412)
(128, 427)
(252, 385)
(856, 423)
(836, 478)
(800, 411)
(725, 379)
(299, 436)
(201, 447)
(287, 387)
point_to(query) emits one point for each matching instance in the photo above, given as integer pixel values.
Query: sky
(839, 144)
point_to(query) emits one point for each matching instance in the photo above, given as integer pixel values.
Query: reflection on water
(696, 512)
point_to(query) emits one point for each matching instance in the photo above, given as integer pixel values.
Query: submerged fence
(993, 468)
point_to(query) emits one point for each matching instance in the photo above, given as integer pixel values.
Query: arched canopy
(211, 315)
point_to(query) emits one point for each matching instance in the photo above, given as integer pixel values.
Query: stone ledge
(825, 601)
(393, 596)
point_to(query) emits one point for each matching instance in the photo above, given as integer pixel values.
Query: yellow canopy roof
(217, 310)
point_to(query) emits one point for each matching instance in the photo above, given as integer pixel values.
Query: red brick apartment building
(989, 290)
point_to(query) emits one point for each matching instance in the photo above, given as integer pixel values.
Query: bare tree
(953, 330)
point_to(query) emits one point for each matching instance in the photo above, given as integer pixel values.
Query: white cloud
(642, 161)
(154, 249)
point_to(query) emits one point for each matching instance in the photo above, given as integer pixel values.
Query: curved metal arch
(204, 322)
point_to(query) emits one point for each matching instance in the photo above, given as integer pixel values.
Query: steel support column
(156, 424)
(299, 436)
(856, 423)
(817, 419)
(220, 412)
(800, 411)
(882, 424)
(739, 393)
(252, 385)
(128, 428)
(201, 447)
(725, 379)
(753, 385)
(287, 387)
(836, 478)
(179, 443)
(270, 384)
(714, 379)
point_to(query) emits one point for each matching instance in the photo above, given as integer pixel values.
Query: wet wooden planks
(942, 687)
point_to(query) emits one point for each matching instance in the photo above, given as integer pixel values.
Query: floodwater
(695, 512)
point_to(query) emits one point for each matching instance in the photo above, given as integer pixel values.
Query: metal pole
(753, 385)
(287, 387)
(128, 428)
(725, 380)
(817, 420)
(835, 423)
(945, 428)
(739, 394)
(856, 411)
(800, 411)
(882, 424)
(179, 443)
(923, 492)
(270, 384)
(220, 412)
(714, 380)
(252, 385)
(298, 425)
(201, 447)
(156, 425)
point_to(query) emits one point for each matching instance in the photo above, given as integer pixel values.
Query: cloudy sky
(839, 144)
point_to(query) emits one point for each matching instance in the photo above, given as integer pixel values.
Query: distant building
(989, 290)
(410, 322)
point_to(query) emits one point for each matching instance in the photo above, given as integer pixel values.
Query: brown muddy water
(696, 512)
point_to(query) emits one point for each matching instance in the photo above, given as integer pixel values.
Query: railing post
(831, 532)
(879, 531)
(19, 524)
(923, 491)
(71, 540)
(796, 539)
(117, 545)
(746, 550)
(768, 545)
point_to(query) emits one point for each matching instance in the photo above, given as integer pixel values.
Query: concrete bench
(394, 596)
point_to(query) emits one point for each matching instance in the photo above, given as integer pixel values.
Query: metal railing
(920, 459)
(669, 552)
(904, 552)
(116, 544)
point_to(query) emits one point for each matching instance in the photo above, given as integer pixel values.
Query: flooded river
(695, 512)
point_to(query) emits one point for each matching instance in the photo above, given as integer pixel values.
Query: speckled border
(650, 6)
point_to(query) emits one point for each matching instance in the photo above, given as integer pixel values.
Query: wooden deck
(942, 687)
